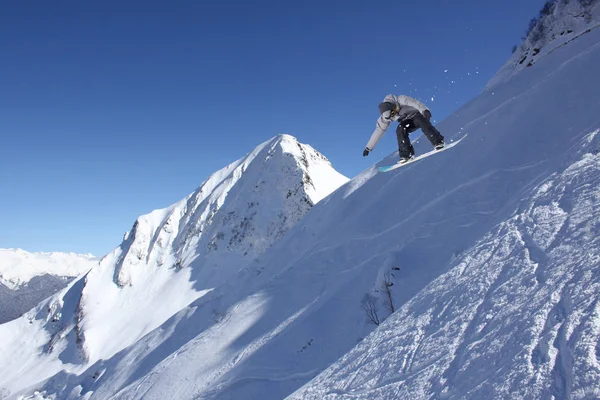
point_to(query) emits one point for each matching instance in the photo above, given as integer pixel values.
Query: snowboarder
(411, 115)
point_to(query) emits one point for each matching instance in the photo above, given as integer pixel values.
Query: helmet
(383, 107)
(388, 110)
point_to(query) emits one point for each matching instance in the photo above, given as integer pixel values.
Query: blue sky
(112, 109)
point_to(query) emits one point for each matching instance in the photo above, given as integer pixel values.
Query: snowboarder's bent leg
(434, 136)
(405, 148)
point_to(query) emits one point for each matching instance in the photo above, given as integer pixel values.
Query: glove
(427, 114)
(366, 152)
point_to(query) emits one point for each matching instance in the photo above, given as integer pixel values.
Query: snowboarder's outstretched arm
(380, 128)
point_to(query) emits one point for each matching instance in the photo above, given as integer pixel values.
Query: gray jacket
(408, 107)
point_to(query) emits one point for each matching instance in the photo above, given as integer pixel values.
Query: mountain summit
(235, 215)
(175, 255)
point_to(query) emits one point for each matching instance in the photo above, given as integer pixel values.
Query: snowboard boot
(404, 160)
(439, 146)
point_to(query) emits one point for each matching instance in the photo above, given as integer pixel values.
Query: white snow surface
(516, 316)
(490, 252)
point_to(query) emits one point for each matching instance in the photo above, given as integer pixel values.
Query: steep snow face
(28, 278)
(565, 20)
(175, 255)
(517, 315)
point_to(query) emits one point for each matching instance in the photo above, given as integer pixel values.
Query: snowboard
(422, 156)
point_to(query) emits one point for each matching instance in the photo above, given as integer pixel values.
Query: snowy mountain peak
(316, 169)
(186, 249)
(559, 22)
(238, 211)
(175, 255)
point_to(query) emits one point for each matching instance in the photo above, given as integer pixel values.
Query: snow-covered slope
(489, 251)
(169, 258)
(516, 316)
(561, 22)
(28, 278)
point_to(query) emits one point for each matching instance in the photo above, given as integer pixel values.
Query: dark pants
(405, 148)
